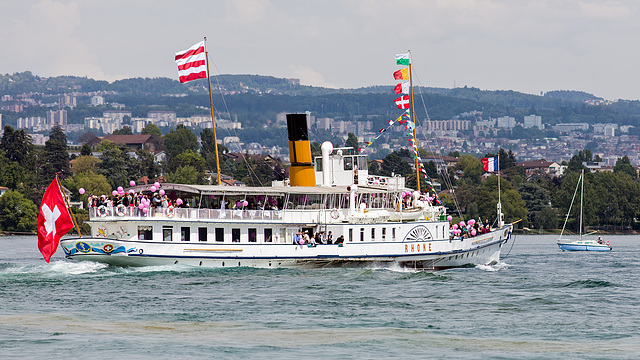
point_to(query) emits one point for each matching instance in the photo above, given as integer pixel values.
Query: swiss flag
(53, 220)
(402, 102)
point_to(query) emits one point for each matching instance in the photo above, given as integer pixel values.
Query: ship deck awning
(248, 190)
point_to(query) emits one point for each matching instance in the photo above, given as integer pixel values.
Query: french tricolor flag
(490, 164)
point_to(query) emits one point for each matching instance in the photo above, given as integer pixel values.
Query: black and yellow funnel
(301, 172)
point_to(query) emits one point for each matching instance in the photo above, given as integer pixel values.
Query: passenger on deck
(340, 240)
(297, 238)
(330, 238)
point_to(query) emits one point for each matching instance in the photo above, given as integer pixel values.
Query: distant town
(470, 132)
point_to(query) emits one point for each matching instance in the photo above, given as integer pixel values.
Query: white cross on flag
(53, 220)
(402, 102)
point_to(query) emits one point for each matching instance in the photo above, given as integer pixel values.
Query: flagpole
(73, 217)
(413, 118)
(213, 119)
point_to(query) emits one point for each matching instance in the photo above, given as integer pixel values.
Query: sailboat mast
(213, 119)
(581, 199)
(413, 118)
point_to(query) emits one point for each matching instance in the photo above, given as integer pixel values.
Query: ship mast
(213, 119)
(413, 118)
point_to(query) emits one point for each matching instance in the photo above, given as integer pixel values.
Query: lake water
(538, 303)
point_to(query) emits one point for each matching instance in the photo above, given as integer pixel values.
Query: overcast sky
(527, 46)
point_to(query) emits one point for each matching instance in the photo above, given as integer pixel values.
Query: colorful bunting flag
(402, 88)
(402, 74)
(402, 102)
(402, 59)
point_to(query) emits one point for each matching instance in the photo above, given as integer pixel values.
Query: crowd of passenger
(471, 228)
(140, 201)
(320, 238)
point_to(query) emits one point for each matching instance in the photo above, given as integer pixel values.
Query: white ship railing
(133, 213)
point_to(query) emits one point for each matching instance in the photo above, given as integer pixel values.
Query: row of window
(383, 235)
(146, 233)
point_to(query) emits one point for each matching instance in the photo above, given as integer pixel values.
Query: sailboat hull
(583, 246)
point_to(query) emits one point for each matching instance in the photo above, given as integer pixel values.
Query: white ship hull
(420, 245)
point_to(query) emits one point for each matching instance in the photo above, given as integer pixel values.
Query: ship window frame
(219, 232)
(167, 233)
(350, 234)
(185, 233)
(234, 232)
(348, 163)
(362, 234)
(145, 230)
(384, 234)
(267, 238)
(200, 234)
(373, 234)
(393, 234)
(252, 235)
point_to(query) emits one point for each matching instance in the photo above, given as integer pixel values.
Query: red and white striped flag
(402, 102)
(192, 63)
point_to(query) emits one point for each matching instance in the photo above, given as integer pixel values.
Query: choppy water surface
(538, 303)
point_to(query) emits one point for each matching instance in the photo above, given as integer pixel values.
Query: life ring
(608, 243)
(170, 211)
(335, 214)
(102, 211)
(121, 210)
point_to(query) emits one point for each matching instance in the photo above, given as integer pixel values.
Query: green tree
(17, 146)
(17, 213)
(146, 164)
(393, 164)
(85, 163)
(56, 157)
(352, 141)
(85, 150)
(185, 175)
(623, 165)
(151, 129)
(92, 183)
(188, 157)
(180, 140)
(116, 164)
(471, 168)
(575, 164)
(125, 130)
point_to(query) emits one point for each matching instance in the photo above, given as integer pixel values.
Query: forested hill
(261, 94)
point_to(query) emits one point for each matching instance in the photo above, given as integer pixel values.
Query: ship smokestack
(301, 172)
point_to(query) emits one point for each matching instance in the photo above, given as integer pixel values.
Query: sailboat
(581, 244)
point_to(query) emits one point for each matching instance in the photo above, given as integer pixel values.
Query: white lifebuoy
(102, 211)
(170, 211)
(335, 214)
(121, 210)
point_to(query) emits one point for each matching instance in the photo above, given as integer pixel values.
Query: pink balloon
(145, 210)
(131, 191)
(461, 223)
(132, 183)
(81, 191)
(301, 242)
(473, 232)
(114, 193)
(161, 192)
(156, 184)
(120, 188)
(141, 206)
(245, 203)
(455, 226)
(449, 218)
(178, 201)
(153, 188)
(238, 204)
